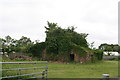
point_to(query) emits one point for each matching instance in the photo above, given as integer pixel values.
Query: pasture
(92, 70)
(76, 70)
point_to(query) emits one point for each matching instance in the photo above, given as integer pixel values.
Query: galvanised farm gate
(24, 70)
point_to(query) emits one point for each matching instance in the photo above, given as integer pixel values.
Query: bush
(98, 54)
(36, 49)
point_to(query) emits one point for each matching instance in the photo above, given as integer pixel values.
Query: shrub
(98, 54)
(36, 49)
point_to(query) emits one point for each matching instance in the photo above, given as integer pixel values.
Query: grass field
(72, 70)
(93, 70)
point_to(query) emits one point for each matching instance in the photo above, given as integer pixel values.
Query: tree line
(110, 47)
(58, 41)
(12, 45)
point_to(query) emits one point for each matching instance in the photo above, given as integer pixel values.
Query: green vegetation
(37, 49)
(60, 40)
(110, 47)
(76, 70)
(98, 53)
(92, 70)
(12, 45)
(60, 43)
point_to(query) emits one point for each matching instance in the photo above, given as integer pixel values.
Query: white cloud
(28, 18)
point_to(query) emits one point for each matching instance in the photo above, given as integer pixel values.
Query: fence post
(43, 73)
(46, 70)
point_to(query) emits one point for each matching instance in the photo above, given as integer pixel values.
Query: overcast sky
(98, 18)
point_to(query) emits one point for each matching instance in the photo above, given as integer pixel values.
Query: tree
(91, 45)
(2, 44)
(51, 27)
(109, 47)
(9, 44)
(23, 44)
(60, 43)
(24, 41)
(60, 40)
(8, 40)
(37, 49)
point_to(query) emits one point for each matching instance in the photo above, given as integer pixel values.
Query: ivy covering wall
(60, 42)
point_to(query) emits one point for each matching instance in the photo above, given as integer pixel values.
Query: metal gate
(24, 70)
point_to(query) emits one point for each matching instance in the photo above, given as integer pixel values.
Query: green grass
(22, 72)
(93, 70)
(72, 70)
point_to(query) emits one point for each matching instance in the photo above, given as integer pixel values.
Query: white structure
(111, 53)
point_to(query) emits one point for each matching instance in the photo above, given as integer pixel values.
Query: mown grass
(76, 70)
(93, 70)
